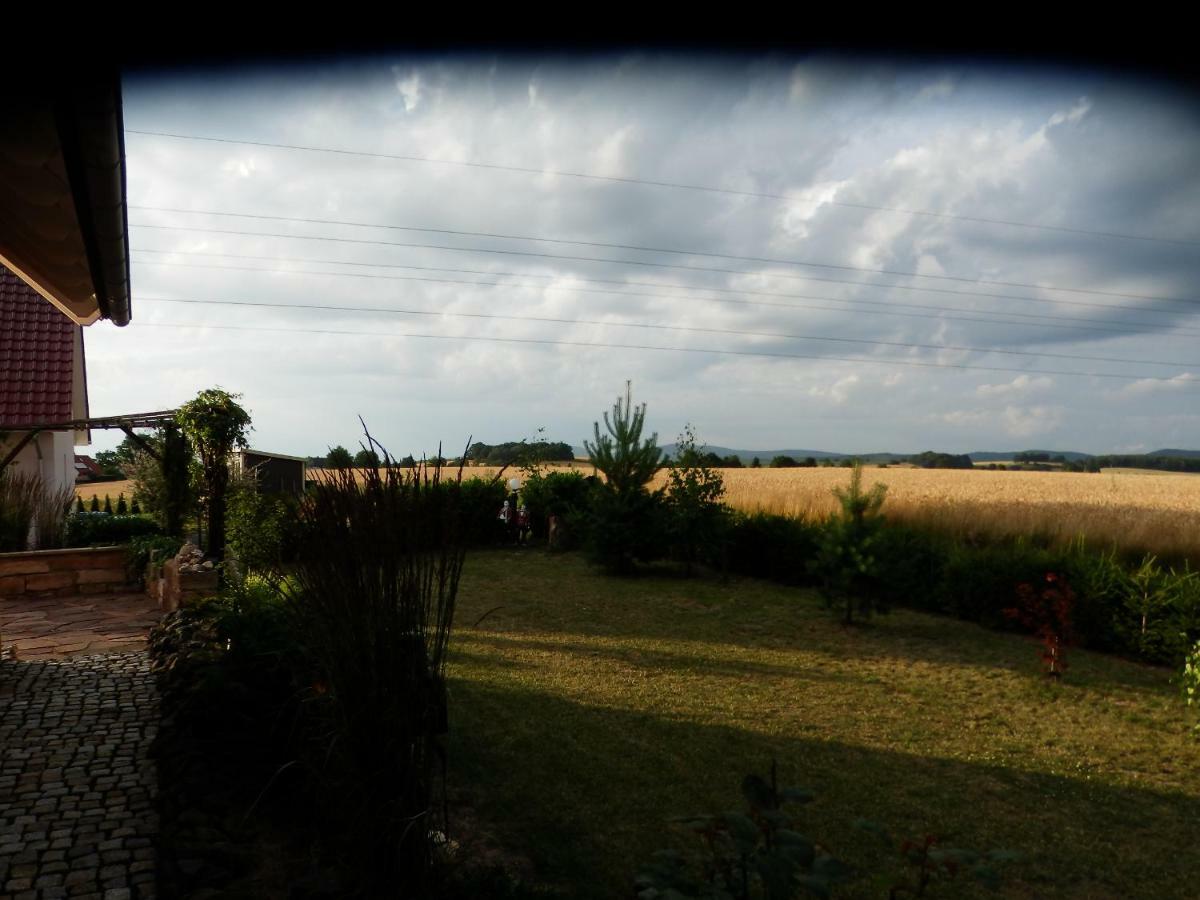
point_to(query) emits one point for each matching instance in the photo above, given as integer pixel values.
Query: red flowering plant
(1046, 611)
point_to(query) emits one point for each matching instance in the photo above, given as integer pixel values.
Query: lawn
(588, 710)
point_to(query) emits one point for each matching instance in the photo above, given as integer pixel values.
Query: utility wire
(887, 308)
(651, 347)
(709, 254)
(667, 184)
(638, 262)
(659, 327)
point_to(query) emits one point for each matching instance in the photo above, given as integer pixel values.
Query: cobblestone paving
(77, 790)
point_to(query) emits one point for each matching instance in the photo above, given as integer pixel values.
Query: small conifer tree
(95, 507)
(122, 506)
(108, 504)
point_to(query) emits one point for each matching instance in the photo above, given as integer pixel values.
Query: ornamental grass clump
(372, 589)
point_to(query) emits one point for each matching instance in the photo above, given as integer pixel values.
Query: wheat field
(1157, 512)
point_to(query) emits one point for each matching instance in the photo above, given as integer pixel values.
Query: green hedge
(87, 528)
(923, 569)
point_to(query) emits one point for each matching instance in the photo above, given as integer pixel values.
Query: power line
(669, 184)
(887, 309)
(644, 249)
(659, 327)
(645, 263)
(650, 347)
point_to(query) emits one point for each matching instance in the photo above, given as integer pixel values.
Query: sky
(845, 254)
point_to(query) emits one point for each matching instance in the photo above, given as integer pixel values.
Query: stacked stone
(77, 786)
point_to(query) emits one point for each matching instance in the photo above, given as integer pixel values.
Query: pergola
(126, 423)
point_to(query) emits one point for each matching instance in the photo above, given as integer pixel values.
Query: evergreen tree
(108, 504)
(624, 512)
(122, 508)
(339, 458)
(78, 504)
(95, 507)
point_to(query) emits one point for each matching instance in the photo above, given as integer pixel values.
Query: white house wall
(51, 454)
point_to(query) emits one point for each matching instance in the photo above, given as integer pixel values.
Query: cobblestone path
(77, 789)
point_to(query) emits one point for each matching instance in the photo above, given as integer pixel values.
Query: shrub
(85, 529)
(1046, 611)
(122, 506)
(108, 505)
(95, 507)
(695, 517)
(771, 546)
(79, 505)
(257, 526)
(561, 494)
(1189, 682)
(845, 564)
(479, 500)
(162, 546)
(626, 519)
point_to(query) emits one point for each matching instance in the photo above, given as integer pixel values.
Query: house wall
(51, 454)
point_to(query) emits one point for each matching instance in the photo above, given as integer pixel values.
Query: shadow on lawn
(758, 615)
(586, 791)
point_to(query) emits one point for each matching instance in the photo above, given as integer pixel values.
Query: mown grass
(587, 710)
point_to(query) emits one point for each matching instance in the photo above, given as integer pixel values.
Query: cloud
(855, 149)
(1181, 382)
(409, 88)
(1022, 384)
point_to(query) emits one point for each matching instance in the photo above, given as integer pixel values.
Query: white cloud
(409, 88)
(1179, 382)
(1022, 384)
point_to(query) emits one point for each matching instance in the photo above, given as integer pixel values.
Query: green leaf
(796, 846)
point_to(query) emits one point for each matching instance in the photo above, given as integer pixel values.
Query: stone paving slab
(77, 787)
(56, 627)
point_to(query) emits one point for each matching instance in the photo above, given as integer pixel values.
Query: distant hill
(983, 456)
(998, 455)
(1178, 454)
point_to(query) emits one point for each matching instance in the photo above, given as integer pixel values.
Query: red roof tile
(37, 346)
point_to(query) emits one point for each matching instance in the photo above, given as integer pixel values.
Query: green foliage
(745, 855)
(696, 518)
(479, 500)
(215, 425)
(95, 504)
(561, 494)
(626, 518)
(162, 547)
(756, 463)
(1189, 680)
(79, 505)
(166, 488)
(339, 458)
(931, 460)
(627, 462)
(845, 564)
(366, 459)
(108, 505)
(519, 451)
(771, 546)
(257, 526)
(86, 529)
(783, 462)
(122, 506)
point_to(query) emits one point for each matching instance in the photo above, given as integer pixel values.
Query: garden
(655, 696)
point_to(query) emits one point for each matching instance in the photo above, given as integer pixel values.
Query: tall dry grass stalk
(379, 556)
(32, 515)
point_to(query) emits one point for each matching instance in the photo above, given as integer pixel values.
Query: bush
(695, 520)
(161, 546)
(845, 564)
(86, 529)
(770, 546)
(257, 526)
(1189, 680)
(479, 501)
(562, 494)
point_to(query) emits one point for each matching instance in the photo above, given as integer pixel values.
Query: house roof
(37, 345)
(63, 219)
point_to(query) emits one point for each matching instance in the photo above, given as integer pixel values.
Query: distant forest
(516, 451)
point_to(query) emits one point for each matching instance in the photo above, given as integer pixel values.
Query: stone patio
(58, 627)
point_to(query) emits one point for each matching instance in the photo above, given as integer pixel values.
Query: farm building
(275, 473)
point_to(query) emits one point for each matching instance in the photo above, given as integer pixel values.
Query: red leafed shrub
(1046, 611)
